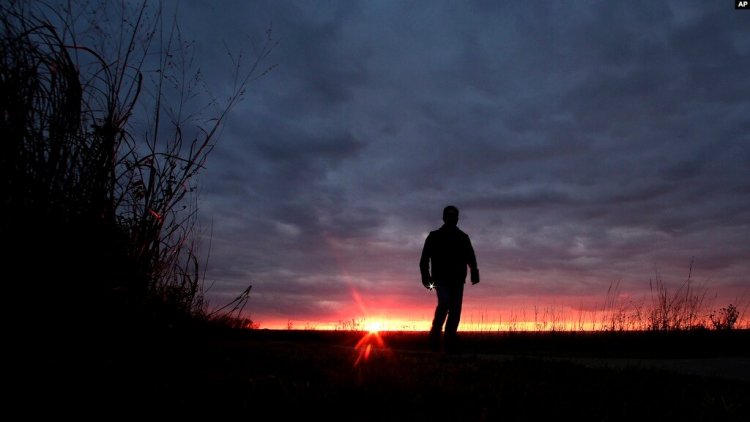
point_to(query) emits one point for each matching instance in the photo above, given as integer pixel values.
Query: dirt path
(737, 368)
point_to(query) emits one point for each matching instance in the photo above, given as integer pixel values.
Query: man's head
(450, 215)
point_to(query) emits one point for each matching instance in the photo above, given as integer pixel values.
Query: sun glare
(374, 326)
(367, 344)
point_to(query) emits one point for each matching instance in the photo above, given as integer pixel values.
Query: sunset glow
(396, 324)
(408, 306)
(374, 326)
(576, 163)
(477, 318)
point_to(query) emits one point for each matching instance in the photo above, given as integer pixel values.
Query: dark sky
(586, 144)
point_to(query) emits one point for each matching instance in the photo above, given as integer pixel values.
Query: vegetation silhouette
(104, 137)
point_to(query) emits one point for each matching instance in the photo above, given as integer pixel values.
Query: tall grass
(103, 143)
(678, 309)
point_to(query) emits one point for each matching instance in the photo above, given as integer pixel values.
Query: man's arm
(472, 262)
(424, 263)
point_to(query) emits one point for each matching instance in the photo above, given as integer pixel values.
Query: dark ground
(290, 375)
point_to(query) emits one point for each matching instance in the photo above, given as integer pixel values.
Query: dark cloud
(584, 143)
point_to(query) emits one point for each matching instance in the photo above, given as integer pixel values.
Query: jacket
(446, 254)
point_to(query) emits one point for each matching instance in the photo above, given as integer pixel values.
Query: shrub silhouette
(725, 318)
(98, 207)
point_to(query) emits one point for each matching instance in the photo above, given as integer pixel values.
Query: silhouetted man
(445, 257)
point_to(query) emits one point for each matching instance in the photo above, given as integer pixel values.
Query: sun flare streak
(364, 347)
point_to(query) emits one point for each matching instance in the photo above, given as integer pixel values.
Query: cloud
(584, 143)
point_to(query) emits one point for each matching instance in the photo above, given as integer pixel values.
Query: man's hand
(475, 276)
(427, 283)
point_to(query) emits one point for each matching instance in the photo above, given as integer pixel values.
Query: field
(347, 375)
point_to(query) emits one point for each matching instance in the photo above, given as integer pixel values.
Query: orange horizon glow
(383, 325)
(409, 326)
(533, 320)
(367, 313)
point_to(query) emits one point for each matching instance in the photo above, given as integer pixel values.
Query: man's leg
(441, 312)
(454, 304)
